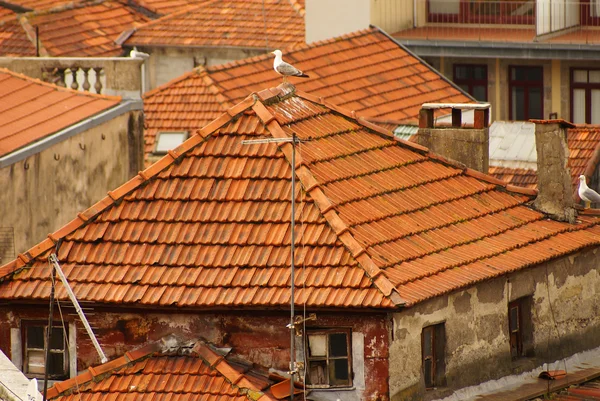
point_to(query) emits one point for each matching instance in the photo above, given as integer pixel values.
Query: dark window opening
(328, 357)
(34, 347)
(472, 79)
(520, 328)
(433, 350)
(526, 88)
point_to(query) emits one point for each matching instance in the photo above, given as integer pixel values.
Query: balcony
(545, 22)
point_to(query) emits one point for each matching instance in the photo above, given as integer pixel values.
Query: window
(482, 11)
(590, 12)
(585, 96)
(472, 79)
(433, 350)
(166, 141)
(34, 345)
(328, 358)
(526, 87)
(520, 328)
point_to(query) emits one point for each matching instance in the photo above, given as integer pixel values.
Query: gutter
(52, 139)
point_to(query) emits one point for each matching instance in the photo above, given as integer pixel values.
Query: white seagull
(285, 69)
(587, 194)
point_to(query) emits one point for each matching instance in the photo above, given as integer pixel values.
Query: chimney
(555, 191)
(467, 145)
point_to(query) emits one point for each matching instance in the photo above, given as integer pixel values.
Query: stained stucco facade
(565, 319)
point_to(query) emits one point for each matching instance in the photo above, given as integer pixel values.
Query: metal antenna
(291, 325)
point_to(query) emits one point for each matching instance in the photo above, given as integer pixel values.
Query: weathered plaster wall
(169, 63)
(565, 317)
(260, 337)
(43, 192)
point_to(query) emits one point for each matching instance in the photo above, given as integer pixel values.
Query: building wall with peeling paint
(565, 317)
(259, 337)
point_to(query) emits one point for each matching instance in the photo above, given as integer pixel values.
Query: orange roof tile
(226, 23)
(584, 156)
(381, 221)
(40, 4)
(199, 373)
(84, 29)
(31, 109)
(365, 71)
(14, 41)
(164, 7)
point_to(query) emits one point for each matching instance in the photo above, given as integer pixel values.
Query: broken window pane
(338, 372)
(35, 337)
(317, 344)
(57, 340)
(316, 373)
(338, 344)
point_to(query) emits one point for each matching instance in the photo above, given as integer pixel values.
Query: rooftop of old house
(382, 222)
(223, 24)
(365, 71)
(79, 28)
(31, 110)
(170, 370)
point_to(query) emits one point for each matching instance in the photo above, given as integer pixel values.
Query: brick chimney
(555, 191)
(467, 145)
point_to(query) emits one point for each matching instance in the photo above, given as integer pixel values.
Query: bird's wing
(592, 195)
(287, 69)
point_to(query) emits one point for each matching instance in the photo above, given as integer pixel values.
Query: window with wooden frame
(585, 96)
(34, 344)
(508, 12)
(329, 358)
(472, 78)
(526, 89)
(520, 327)
(433, 351)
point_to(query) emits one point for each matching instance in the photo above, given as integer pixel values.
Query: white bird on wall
(587, 194)
(285, 69)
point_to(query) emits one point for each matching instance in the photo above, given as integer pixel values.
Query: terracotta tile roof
(381, 221)
(13, 39)
(365, 71)
(226, 23)
(196, 372)
(38, 5)
(164, 7)
(85, 29)
(31, 109)
(584, 156)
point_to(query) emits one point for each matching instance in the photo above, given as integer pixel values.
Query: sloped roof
(163, 7)
(31, 109)
(13, 39)
(380, 221)
(82, 29)
(155, 372)
(584, 155)
(259, 24)
(365, 71)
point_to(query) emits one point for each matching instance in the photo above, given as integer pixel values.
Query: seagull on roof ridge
(587, 194)
(285, 69)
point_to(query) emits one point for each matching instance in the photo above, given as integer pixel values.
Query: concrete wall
(565, 316)
(167, 63)
(392, 15)
(46, 190)
(326, 19)
(259, 337)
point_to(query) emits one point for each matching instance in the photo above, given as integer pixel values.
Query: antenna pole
(49, 336)
(292, 266)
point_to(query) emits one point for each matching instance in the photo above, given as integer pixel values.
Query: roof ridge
(60, 88)
(290, 49)
(313, 188)
(31, 35)
(167, 85)
(115, 196)
(236, 379)
(100, 371)
(298, 8)
(215, 89)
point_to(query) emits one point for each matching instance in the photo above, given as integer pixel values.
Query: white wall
(326, 19)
